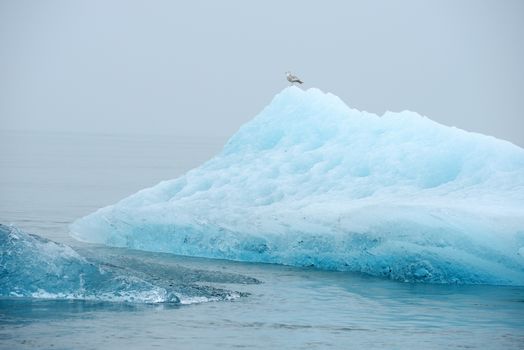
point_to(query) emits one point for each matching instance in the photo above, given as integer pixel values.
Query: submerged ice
(312, 182)
(35, 267)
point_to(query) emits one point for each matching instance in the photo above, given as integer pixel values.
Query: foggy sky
(206, 67)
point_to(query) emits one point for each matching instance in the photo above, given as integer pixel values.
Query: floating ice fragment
(312, 182)
(32, 266)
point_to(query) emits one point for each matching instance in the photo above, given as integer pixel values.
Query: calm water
(47, 180)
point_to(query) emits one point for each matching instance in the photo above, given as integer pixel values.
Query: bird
(293, 78)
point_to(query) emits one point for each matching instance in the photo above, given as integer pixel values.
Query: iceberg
(312, 182)
(35, 267)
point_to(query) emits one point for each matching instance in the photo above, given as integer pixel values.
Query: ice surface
(32, 266)
(312, 182)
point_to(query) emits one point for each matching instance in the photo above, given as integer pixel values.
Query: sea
(49, 179)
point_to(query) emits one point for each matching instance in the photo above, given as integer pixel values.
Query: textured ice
(32, 266)
(312, 182)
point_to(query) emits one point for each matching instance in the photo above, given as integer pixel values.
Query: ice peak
(294, 96)
(296, 115)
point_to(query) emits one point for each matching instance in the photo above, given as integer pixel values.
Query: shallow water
(49, 179)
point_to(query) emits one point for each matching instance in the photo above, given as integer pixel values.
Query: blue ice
(35, 267)
(32, 266)
(312, 182)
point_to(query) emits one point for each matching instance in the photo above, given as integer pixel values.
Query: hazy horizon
(205, 68)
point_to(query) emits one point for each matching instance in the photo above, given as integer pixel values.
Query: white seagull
(293, 78)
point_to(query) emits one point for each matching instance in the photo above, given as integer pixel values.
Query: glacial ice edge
(35, 267)
(312, 182)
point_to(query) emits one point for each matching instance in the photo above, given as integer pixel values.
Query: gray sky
(206, 67)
